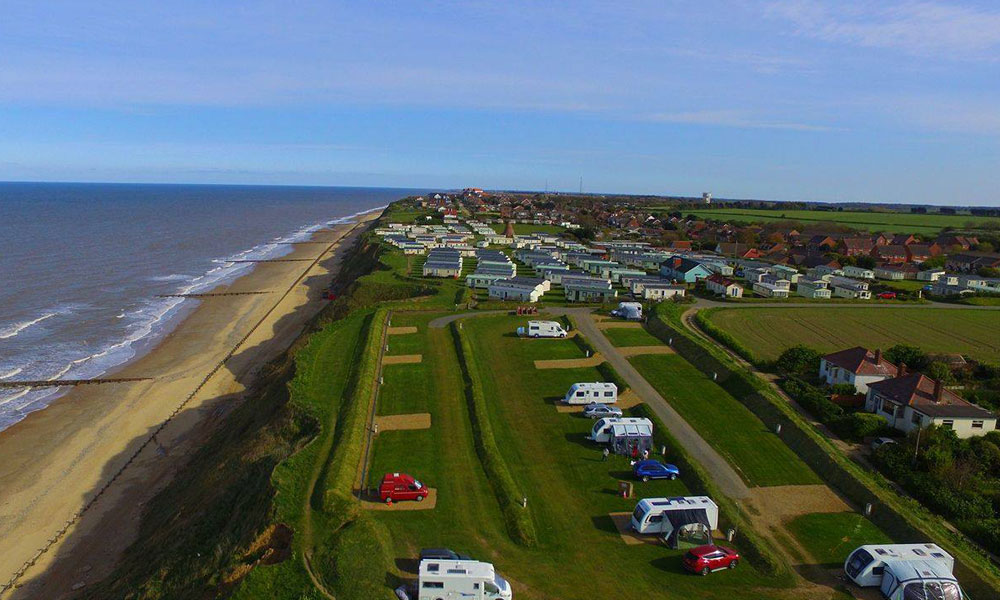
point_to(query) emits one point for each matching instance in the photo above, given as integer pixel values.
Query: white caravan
(630, 311)
(585, 393)
(905, 571)
(465, 579)
(536, 329)
(651, 514)
(603, 429)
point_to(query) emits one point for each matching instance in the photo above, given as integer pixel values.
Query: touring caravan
(905, 571)
(684, 521)
(536, 329)
(625, 436)
(585, 393)
(630, 311)
(465, 579)
(603, 428)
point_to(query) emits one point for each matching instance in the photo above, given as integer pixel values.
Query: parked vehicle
(630, 311)
(706, 559)
(603, 430)
(540, 329)
(654, 469)
(882, 441)
(586, 393)
(455, 579)
(596, 410)
(887, 295)
(905, 571)
(684, 521)
(400, 486)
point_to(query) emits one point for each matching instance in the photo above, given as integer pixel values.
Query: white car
(882, 441)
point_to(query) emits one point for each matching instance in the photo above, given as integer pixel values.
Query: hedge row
(753, 547)
(520, 526)
(901, 518)
(610, 374)
(349, 439)
(705, 323)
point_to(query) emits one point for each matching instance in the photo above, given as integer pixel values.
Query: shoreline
(58, 460)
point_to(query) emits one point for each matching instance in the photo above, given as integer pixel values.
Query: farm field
(758, 455)
(766, 332)
(528, 228)
(872, 221)
(830, 537)
(628, 336)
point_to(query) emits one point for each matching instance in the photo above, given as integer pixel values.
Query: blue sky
(892, 101)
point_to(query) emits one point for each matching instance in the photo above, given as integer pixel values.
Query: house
(903, 239)
(680, 246)
(779, 289)
(521, 289)
(659, 291)
(858, 272)
(684, 269)
(961, 242)
(844, 287)
(813, 288)
(913, 400)
(737, 250)
(892, 253)
(970, 262)
(856, 366)
(723, 286)
(821, 243)
(918, 253)
(856, 246)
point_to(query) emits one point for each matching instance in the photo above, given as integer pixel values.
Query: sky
(882, 101)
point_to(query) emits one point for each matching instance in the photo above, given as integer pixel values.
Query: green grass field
(627, 336)
(758, 455)
(528, 228)
(830, 537)
(766, 332)
(872, 221)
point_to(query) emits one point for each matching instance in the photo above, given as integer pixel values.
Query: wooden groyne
(212, 294)
(68, 382)
(269, 260)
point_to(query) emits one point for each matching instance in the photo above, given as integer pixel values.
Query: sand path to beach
(57, 460)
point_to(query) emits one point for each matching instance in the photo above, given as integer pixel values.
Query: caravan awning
(680, 518)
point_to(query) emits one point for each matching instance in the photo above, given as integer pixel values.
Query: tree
(799, 360)
(940, 371)
(934, 262)
(991, 272)
(913, 357)
(865, 261)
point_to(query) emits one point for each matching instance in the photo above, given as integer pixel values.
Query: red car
(400, 486)
(705, 559)
(887, 295)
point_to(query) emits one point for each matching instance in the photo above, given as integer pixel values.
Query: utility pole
(581, 184)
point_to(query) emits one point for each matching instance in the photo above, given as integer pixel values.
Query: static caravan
(465, 579)
(630, 311)
(905, 571)
(684, 521)
(585, 393)
(537, 329)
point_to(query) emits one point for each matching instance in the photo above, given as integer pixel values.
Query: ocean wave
(12, 330)
(11, 373)
(172, 277)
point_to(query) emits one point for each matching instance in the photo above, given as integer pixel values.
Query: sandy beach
(56, 461)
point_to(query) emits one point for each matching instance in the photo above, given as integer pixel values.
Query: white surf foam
(12, 330)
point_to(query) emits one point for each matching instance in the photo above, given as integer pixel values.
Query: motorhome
(585, 393)
(465, 579)
(630, 311)
(539, 329)
(905, 571)
(603, 429)
(683, 521)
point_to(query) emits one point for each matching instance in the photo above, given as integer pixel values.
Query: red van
(400, 486)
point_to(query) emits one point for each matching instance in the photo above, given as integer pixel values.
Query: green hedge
(359, 561)
(609, 373)
(518, 519)
(753, 547)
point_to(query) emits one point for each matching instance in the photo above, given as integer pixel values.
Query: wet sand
(57, 460)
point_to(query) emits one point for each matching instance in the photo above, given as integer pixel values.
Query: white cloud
(916, 27)
(731, 118)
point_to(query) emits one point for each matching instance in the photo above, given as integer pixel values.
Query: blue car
(654, 469)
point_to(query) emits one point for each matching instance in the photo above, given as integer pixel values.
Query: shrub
(857, 426)
(913, 357)
(798, 360)
(609, 373)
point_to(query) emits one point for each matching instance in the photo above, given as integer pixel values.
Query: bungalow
(850, 288)
(588, 289)
(856, 366)
(969, 262)
(723, 286)
(521, 289)
(813, 288)
(930, 274)
(858, 272)
(659, 291)
(913, 400)
(684, 269)
(779, 289)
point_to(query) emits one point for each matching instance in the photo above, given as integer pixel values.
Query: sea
(81, 266)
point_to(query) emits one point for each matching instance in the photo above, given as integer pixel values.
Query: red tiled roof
(861, 361)
(721, 280)
(918, 391)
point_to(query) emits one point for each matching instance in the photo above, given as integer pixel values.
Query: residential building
(723, 286)
(913, 400)
(892, 253)
(844, 287)
(856, 366)
(970, 262)
(684, 269)
(813, 288)
(588, 289)
(659, 291)
(520, 289)
(858, 272)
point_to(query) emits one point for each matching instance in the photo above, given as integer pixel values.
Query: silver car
(598, 410)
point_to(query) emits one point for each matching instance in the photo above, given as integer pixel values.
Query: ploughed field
(930, 224)
(766, 332)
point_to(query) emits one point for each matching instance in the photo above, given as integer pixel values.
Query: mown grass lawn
(897, 222)
(404, 390)
(766, 332)
(759, 456)
(830, 537)
(628, 336)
